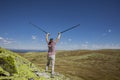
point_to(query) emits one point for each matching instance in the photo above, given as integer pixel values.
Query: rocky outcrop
(15, 67)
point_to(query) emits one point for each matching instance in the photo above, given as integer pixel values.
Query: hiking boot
(46, 70)
(52, 76)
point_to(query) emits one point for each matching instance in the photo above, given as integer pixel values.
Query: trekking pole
(39, 28)
(70, 28)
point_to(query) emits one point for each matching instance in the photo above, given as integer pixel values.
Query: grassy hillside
(15, 67)
(83, 64)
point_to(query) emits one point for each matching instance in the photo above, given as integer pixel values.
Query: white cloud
(86, 42)
(33, 37)
(106, 33)
(105, 46)
(109, 30)
(1, 38)
(6, 40)
(69, 40)
(85, 46)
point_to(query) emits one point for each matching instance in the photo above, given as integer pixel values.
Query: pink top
(51, 48)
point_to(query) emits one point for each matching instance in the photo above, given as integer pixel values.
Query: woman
(51, 52)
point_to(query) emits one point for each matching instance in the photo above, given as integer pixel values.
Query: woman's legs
(53, 64)
(51, 59)
(48, 63)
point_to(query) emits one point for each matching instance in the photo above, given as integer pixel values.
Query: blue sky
(99, 23)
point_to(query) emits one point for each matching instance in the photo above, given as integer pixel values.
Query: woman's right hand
(48, 34)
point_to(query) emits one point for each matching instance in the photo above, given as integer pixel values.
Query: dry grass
(83, 64)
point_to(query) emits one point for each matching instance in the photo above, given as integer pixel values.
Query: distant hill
(26, 50)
